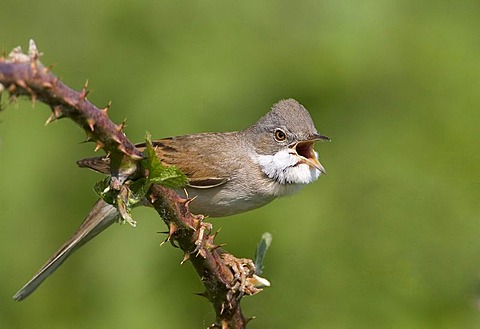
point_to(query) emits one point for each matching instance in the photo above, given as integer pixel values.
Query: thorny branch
(226, 278)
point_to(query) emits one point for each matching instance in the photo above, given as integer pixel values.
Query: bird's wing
(195, 155)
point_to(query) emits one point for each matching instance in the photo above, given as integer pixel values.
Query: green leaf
(138, 189)
(169, 176)
(134, 191)
(102, 188)
(262, 248)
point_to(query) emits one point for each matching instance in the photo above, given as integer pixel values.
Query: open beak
(305, 151)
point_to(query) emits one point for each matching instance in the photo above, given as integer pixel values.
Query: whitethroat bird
(228, 173)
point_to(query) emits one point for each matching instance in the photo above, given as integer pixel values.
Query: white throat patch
(283, 167)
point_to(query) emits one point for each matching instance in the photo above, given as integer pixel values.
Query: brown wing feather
(195, 155)
(100, 164)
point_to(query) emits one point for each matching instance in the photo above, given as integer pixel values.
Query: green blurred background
(389, 239)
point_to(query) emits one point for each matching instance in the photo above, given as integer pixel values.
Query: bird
(228, 173)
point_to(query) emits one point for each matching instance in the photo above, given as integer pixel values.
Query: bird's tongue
(305, 150)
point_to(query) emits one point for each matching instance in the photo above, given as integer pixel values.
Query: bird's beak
(307, 154)
(318, 137)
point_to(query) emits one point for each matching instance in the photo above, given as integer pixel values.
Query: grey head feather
(289, 116)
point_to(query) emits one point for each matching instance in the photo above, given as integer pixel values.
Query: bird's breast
(226, 200)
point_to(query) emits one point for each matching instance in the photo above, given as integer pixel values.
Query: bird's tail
(100, 217)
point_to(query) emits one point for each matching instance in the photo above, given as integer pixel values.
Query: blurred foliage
(389, 239)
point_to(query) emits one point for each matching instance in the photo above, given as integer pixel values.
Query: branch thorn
(33, 97)
(91, 124)
(57, 110)
(217, 246)
(50, 119)
(201, 294)
(116, 139)
(122, 149)
(33, 51)
(98, 146)
(47, 85)
(84, 92)
(249, 319)
(214, 235)
(122, 125)
(87, 139)
(186, 256)
(106, 108)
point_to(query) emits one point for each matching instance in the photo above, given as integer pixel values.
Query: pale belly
(221, 202)
(231, 199)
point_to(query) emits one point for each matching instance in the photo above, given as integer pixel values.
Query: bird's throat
(286, 167)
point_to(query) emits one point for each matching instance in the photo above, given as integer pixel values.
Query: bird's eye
(280, 135)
